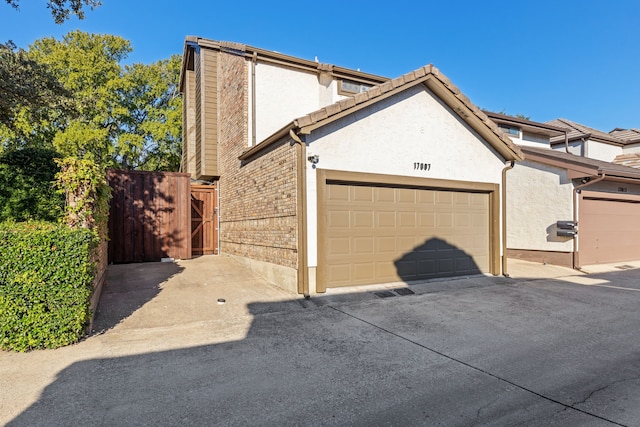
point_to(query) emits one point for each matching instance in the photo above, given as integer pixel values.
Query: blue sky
(545, 59)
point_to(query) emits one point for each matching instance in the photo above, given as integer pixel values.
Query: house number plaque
(421, 166)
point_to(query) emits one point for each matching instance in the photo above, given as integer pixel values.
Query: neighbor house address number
(421, 166)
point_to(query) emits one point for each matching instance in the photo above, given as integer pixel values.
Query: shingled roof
(630, 160)
(588, 165)
(578, 131)
(630, 136)
(428, 75)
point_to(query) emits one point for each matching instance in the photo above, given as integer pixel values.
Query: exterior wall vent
(349, 87)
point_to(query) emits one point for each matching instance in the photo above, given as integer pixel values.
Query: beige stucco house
(595, 202)
(332, 177)
(588, 142)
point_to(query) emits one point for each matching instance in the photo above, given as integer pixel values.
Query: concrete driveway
(549, 346)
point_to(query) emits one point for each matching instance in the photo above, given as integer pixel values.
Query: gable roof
(526, 125)
(578, 131)
(579, 166)
(428, 75)
(630, 136)
(257, 54)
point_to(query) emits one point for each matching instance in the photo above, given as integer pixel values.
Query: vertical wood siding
(149, 217)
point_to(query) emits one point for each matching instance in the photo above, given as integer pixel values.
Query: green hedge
(27, 190)
(46, 276)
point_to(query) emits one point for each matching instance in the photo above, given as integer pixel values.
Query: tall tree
(88, 66)
(120, 116)
(151, 124)
(61, 10)
(26, 83)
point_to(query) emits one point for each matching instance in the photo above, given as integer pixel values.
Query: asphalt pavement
(206, 342)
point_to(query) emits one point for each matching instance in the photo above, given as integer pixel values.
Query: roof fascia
(530, 126)
(617, 174)
(288, 60)
(305, 130)
(573, 169)
(505, 147)
(186, 52)
(275, 137)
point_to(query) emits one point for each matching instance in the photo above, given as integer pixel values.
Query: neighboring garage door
(378, 233)
(608, 228)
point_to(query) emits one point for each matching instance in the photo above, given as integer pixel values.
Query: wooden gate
(149, 216)
(204, 219)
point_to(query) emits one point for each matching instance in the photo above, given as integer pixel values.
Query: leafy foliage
(151, 126)
(27, 190)
(126, 117)
(61, 10)
(25, 83)
(46, 276)
(87, 193)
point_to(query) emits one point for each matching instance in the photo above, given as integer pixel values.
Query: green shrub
(27, 190)
(46, 276)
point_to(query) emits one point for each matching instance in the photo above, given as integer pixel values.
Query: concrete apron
(171, 335)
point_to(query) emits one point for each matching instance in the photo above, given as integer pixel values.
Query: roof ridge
(362, 97)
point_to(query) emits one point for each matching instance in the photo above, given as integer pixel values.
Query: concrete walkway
(205, 342)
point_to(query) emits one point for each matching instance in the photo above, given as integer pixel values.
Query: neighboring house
(588, 142)
(528, 133)
(631, 153)
(331, 177)
(602, 198)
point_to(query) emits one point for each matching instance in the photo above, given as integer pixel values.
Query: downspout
(577, 191)
(566, 142)
(504, 217)
(303, 269)
(253, 98)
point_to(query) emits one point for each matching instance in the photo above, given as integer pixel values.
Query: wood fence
(149, 217)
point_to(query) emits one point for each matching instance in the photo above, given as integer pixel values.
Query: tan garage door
(378, 234)
(609, 228)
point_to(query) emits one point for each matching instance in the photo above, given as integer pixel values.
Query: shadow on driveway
(128, 288)
(546, 352)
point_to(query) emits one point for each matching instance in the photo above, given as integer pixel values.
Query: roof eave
(272, 139)
(472, 116)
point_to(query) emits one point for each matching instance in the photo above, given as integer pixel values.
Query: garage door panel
(402, 234)
(608, 229)
(340, 274)
(340, 245)
(362, 194)
(444, 198)
(426, 219)
(364, 271)
(339, 219)
(461, 219)
(385, 195)
(444, 219)
(405, 244)
(385, 219)
(406, 196)
(406, 219)
(363, 246)
(386, 245)
(338, 193)
(362, 219)
(426, 198)
(384, 272)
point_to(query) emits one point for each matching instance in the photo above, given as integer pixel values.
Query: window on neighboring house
(349, 87)
(510, 130)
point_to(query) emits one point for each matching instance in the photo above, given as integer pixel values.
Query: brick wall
(258, 200)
